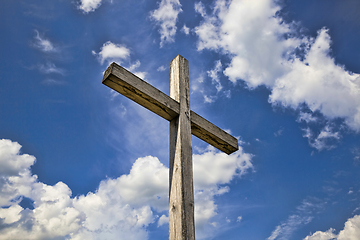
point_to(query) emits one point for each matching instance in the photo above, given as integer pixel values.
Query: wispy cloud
(123, 206)
(51, 81)
(307, 117)
(265, 50)
(49, 68)
(89, 5)
(303, 215)
(112, 52)
(279, 132)
(166, 17)
(133, 68)
(45, 45)
(213, 74)
(161, 68)
(209, 99)
(326, 139)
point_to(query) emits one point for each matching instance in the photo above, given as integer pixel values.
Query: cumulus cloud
(112, 52)
(321, 84)
(351, 231)
(163, 220)
(15, 164)
(265, 50)
(110, 212)
(89, 5)
(165, 17)
(212, 170)
(123, 206)
(43, 44)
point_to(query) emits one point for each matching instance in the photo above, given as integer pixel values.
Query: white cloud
(104, 214)
(324, 140)
(200, 8)
(112, 52)
(328, 235)
(89, 5)
(185, 30)
(165, 17)
(161, 68)
(306, 117)
(223, 167)
(137, 73)
(239, 219)
(163, 220)
(351, 231)
(134, 66)
(119, 207)
(211, 171)
(249, 32)
(303, 215)
(213, 74)
(209, 99)
(264, 50)
(14, 163)
(321, 84)
(43, 44)
(147, 183)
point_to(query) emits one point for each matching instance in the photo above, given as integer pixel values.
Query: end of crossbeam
(108, 71)
(136, 89)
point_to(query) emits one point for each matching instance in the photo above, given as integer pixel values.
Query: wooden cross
(183, 123)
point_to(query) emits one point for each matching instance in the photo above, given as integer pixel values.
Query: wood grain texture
(212, 134)
(131, 86)
(181, 200)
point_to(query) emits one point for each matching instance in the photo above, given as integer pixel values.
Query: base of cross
(183, 123)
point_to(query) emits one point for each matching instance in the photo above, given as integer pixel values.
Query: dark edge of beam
(212, 134)
(131, 86)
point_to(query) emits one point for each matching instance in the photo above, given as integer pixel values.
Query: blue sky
(79, 161)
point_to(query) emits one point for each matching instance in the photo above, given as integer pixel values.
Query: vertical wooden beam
(181, 201)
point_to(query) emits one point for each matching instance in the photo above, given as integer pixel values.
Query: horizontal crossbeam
(131, 86)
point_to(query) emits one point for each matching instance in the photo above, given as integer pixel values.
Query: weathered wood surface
(131, 86)
(212, 134)
(181, 200)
